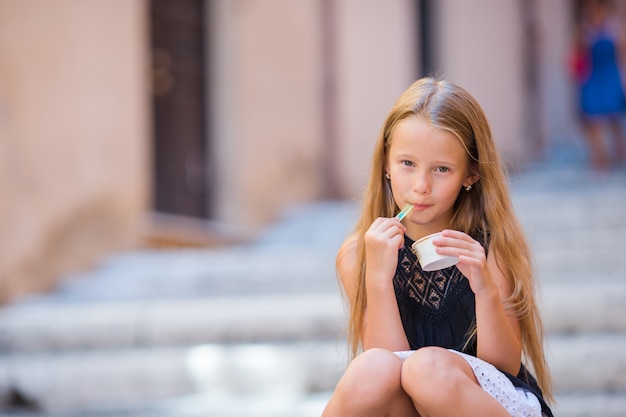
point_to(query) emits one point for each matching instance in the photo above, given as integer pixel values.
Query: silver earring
(469, 187)
(387, 175)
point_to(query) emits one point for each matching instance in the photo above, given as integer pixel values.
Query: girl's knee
(373, 377)
(433, 374)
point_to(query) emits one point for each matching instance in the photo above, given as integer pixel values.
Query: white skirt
(517, 401)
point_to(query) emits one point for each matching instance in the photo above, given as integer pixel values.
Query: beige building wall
(73, 135)
(558, 101)
(480, 48)
(376, 61)
(267, 107)
(269, 76)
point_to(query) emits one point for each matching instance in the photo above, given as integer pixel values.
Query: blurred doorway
(180, 143)
(426, 27)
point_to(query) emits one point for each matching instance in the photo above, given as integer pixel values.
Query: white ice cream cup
(427, 256)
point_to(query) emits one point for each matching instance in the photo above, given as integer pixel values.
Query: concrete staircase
(256, 330)
(251, 330)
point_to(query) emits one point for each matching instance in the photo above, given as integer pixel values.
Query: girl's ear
(471, 179)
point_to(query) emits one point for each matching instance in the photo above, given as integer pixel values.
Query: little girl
(448, 342)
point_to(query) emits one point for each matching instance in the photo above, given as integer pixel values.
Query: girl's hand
(382, 241)
(472, 259)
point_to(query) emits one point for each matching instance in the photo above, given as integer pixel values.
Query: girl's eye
(407, 163)
(442, 169)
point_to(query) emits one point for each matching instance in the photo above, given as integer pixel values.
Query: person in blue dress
(601, 89)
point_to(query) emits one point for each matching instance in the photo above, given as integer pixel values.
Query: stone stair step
(577, 236)
(238, 271)
(278, 405)
(90, 380)
(588, 362)
(206, 405)
(570, 275)
(562, 210)
(575, 307)
(590, 405)
(73, 326)
(560, 265)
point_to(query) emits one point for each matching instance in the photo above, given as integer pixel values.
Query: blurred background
(153, 150)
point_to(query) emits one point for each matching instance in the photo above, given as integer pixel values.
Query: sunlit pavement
(257, 330)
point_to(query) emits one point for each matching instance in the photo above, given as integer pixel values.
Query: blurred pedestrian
(598, 64)
(448, 341)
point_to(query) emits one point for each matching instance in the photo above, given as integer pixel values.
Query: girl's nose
(421, 183)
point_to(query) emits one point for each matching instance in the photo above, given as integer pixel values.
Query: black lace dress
(438, 308)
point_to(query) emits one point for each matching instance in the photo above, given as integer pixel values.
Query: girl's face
(428, 168)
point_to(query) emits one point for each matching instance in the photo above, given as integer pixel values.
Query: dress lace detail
(517, 401)
(434, 293)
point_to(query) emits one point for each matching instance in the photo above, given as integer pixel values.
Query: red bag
(580, 64)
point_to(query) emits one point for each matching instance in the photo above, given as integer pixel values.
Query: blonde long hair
(486, 209)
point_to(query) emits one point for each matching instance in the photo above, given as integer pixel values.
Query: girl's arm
(498, 333)
(382, 326)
